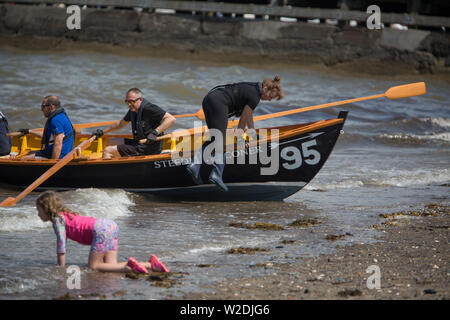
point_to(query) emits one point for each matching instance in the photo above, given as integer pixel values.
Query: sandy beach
(412, 257)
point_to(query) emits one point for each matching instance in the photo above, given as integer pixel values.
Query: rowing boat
(297, 152)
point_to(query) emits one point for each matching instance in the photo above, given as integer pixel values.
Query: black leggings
(215, 106)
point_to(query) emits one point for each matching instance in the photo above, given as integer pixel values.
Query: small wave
(383, 178)
(408, 178)
(17, 285)
(20, 218)
(333, 185)
(97, 203)
(441, 137)
(203, 249)
(36, 278)
(441, 122)
(418, 125)
(225, 246)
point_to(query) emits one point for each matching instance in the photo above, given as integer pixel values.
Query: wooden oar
(17, 133)
(404, 91)
(10, 201)
(397, 92)
(76, 127)
(199, 114)
(166, 136)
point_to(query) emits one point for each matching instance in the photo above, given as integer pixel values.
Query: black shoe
(194, 172)
(213, 178)
(216, 176)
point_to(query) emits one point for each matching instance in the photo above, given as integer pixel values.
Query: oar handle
(18, 133)
(166, 136)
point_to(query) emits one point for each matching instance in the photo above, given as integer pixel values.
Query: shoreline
(385, 52)
(412, 259)
(27, 44)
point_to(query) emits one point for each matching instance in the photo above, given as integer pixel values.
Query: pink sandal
(136, 266)
(157, 265)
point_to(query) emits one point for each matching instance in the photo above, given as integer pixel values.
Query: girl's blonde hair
(52, 205)
(274, 84)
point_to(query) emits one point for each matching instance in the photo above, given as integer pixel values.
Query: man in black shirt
(148, 121)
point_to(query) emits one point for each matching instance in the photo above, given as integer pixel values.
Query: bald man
(58, 136)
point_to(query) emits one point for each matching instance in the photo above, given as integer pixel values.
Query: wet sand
(413, 259)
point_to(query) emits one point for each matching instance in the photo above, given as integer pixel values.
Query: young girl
(101, 234)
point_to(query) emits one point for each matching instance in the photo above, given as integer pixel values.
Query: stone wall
(238, 40)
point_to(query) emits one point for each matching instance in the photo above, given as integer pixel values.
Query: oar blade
(200, 114)
(407, 90)
(10, 201)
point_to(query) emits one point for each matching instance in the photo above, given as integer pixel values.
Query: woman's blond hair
(52, 205)
(274, 84)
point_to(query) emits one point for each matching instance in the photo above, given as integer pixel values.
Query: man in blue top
(58, 135)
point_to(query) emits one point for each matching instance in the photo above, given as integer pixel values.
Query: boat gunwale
(292, 130)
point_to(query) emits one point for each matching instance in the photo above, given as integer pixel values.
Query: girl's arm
(60, 230)
(61, 259)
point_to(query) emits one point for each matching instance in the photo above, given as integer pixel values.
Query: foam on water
(403, 178)
(333, 185)
(20, 218)
(383, 178)
(38, 276)
(17, 284)
(414, 138)
(225, 246)
(203, 249)
(441, 122)
(98, 203)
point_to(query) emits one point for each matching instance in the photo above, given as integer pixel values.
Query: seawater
(392, 155)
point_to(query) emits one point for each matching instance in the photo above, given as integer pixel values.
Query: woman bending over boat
(101, 234)
(224, 101)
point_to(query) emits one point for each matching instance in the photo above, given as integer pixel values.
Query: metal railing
(257, 10)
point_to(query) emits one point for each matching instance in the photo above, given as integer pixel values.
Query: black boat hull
(300, 157)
